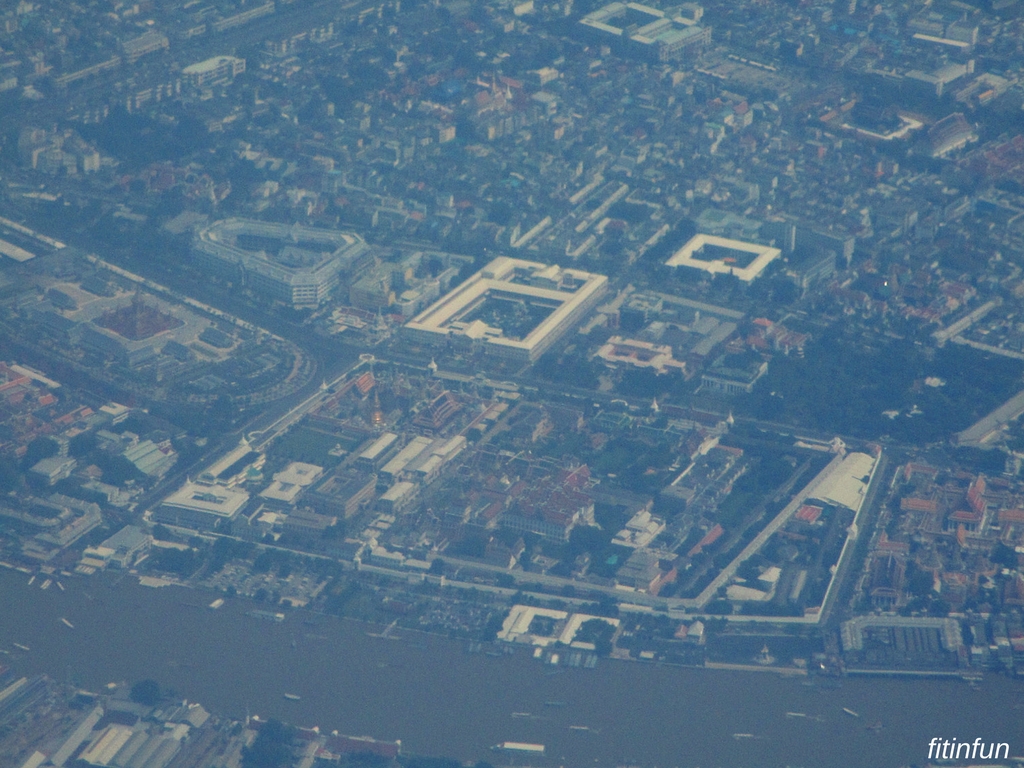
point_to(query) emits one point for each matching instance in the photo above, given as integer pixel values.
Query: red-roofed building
(776, 336)
(912, 469)
(551, 507)
(438, 413)
(661, 581)
(976, 495)
(894, 547)
(1012, 523)
(911, 504)
(365, 382)
(969, 520)
(808, 513)
(15, 379)
(710, 538)
(1011, 516)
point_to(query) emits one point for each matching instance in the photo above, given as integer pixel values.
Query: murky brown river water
(440, 700)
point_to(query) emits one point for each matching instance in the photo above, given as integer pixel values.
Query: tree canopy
(146, 692)
(272, 747)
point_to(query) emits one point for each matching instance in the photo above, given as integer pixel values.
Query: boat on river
(519, 746)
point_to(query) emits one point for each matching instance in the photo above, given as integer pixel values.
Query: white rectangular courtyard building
(511, 309)
(720, 255)
(200, 507)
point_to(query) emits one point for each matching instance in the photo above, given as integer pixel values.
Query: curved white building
(296, 265)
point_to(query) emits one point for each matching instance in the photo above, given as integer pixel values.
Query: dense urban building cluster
(52, 725)
(679, 321)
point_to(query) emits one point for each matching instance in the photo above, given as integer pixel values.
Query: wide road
(261, 438)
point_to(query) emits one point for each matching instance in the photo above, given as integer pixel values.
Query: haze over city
(440, 383)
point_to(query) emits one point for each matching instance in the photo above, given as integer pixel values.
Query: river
(440, 700)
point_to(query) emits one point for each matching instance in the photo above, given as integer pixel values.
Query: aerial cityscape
(537, 383)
